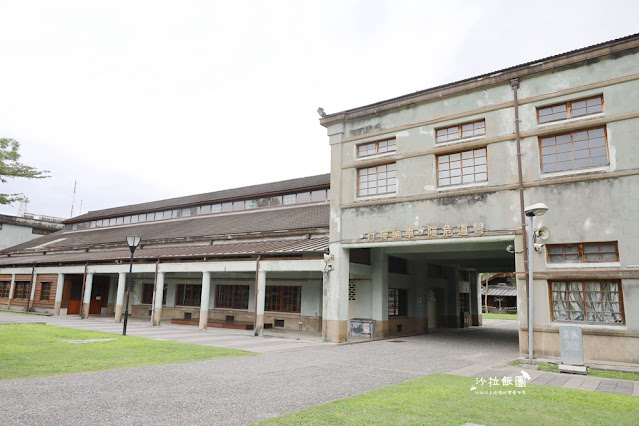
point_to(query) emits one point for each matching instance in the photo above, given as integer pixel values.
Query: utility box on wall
(362, 327)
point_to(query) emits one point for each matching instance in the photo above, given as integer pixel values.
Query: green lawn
(32, 350)
(500, 316)
(448, 400)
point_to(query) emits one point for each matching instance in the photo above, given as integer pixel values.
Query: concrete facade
(460, 230)
(15, 229)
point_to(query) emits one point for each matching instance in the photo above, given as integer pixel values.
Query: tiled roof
(500, 291)
(265, 188)
(279, 220)
(266, 247)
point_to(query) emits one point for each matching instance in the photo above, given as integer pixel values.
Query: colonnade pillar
(88, 287)
(59, 289)
(261, 293)
(204, 301)
(12, 287)
(119, 298)
(159, 292)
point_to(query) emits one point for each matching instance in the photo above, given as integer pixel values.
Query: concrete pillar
(59, 288)
(88, 286)
(159, 291)
(119, 298)
(261, 293)
(335, 319)
(475, 299)
(379, 288)
(34, 280)
(12, 287)
(452, 298)
(204, 303)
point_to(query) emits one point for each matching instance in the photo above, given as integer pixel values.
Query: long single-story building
(204, 254)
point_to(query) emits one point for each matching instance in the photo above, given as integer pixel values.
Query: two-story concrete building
(430, 188)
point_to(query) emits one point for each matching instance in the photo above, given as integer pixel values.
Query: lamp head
(538, 209)
(133, 243)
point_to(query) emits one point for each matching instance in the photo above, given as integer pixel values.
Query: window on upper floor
(377, 180)
(587, 301)
(583, 252)
(574, 150)
(461, 131)
(570, 109)
(377, 147)
(462, 167)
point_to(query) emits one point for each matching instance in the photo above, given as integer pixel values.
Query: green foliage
(33, 350)
(10, 167)
(441, 399)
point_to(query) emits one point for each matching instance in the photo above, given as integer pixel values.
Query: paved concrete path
(242, 390)
(548, 378)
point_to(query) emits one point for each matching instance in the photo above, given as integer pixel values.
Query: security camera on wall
(538, 247)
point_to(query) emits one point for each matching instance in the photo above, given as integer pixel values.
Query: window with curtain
(587, 301)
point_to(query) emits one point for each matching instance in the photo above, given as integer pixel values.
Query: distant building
(15, 230)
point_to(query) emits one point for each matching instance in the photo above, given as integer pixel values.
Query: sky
(145, 100)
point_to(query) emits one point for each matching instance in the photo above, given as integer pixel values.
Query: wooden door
(75, 302)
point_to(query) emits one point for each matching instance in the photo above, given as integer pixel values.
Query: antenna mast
(75, 186)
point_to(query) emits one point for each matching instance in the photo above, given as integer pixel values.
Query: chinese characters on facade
(431, 231)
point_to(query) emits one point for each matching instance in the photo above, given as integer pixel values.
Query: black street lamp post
(133, 244)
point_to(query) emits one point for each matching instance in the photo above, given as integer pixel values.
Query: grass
(34, 350)
(443, 399)
(591, 372)
(500, 316)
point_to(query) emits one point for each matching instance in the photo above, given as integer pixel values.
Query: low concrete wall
(600, 345)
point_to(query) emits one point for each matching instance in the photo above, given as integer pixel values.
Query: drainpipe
(515, 85)
(84, 282)
(257, 270)
(30, 286)
(155, 283)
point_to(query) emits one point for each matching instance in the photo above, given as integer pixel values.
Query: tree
(10, 167)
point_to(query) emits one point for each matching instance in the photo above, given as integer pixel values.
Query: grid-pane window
(5, 286)
(583, 252)
(462, 167)
(232, 296)
(397, 302)
(377, 147)
(187, 294)
(283, 298)
(45, 291)
(461, 131)
(377, 180)
(587, 301)
(576, 150)
(570, 109)
(21, 290)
